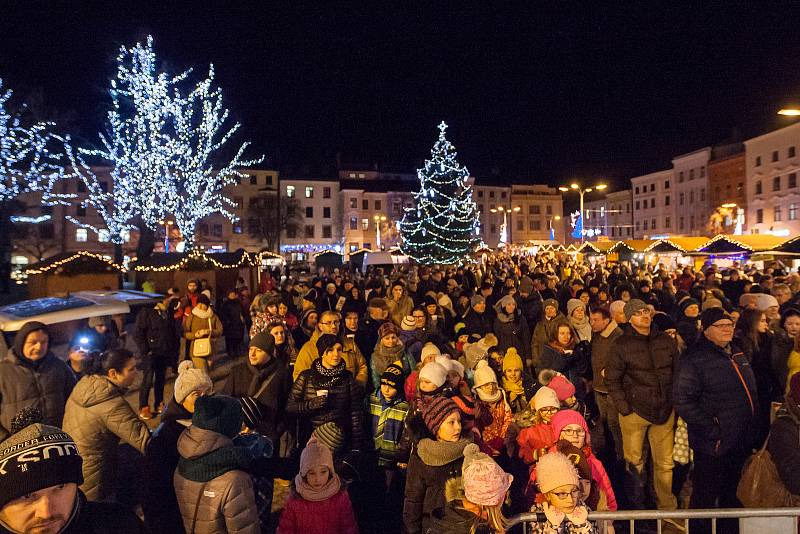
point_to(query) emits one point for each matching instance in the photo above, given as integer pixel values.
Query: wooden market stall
(675, 251)
(221, 269)
(724, 250)
(67, 272)
(594, 251)
(328, 259)
(631, 249)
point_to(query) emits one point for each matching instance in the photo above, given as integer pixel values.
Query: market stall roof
(595, 247)
(737, 244)
(633, 245)
(792, 246)
(196, 260)
(72, 263)
(683, 245)
(326, 252)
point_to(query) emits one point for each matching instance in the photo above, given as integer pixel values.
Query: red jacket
(331, 516)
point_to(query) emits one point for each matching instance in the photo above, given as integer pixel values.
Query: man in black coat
(367, 334)
(157, 336)
(715, 393)
(638, 376)
(529, 302)
(233, 322)
(479, 319)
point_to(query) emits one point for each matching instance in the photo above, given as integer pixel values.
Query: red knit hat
(564, 388)
(436, 411)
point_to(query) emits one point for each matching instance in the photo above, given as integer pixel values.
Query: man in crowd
(607, 434)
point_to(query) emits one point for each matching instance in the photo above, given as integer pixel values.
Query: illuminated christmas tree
(442, 227)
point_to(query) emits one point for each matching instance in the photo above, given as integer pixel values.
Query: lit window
(354, 223)
(309, 192)
(290, 191)
(81, 235)
(792, 211)
(365, 224)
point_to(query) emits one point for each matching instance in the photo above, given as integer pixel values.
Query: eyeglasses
(574, 432)
(723, 325)
(418, 316)
(641, 313)
(566, 495)
(335, 323)
(548, 409)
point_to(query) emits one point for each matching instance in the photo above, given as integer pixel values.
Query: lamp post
(504, 211)
(581, 192)
(550, 225)
(166, 224)
(378, 220)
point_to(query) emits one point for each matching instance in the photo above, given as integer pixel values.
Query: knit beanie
(386, 329)
(445, 302)
(313, 455)
(485, 482)
(436, 411)
(711, 302)
(564, 388)
(474, 353)
(329, 434)
(35, 457)
(393, 377)
(526, 285)
(569, 417)
(203, 298)
(477, 299)
(409, 323)
(554, 470)
(428, 351)
(764, 302)
(219, 413)
(330, 286)
(685, 303)
(664, 322)
(711, 316)
(553, 303)
(264, 341)
(544, 398)
(483, 374)
(512, 360)
(505, 301)
(325, 342)
(434, 372)
(572, 305)
(633, 306)
(190, 379)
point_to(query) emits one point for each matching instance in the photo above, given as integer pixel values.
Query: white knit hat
(408, 323)
(190, 379)
(429, 350)
(484, 374)
(545, 398)
(554, 470)
(435, 373)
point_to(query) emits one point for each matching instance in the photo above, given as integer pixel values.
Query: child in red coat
(318, 504)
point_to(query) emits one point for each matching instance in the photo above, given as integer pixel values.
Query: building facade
(771, 168)
(541, 209)
(726, 189)
(690, 176)
(489, 199)
(619, 214)
(653, 206)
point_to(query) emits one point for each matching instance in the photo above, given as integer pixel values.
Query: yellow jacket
(793, 364)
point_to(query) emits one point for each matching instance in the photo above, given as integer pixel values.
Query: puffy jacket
(98, 417)
(515, 334)
(601, 346)
(542, 333)
(300, 516)
(46, 383)
(223, 504)
(639, 374)
(342, 405)
(784, 445)
(530, 306)
(161, 513)
(479, 323)
(245, 380)
(715, 393)
(351, 355)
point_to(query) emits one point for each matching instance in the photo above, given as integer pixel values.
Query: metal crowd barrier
(751, 520)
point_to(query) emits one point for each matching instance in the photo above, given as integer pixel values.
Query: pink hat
(554, 470)
(313, 455)
(569, 417)
(485, 482)
(564, 388)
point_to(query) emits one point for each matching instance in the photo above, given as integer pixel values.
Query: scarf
(514, 389)
(215, 463)
(582, 328)
(383, 356)
(259, 374)
(504, 317)
(562, 348)
(197, 312)
(485, 397)
(329, 377)
(331, 488)
(438, 453)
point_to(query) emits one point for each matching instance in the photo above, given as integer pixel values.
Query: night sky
(544, 93)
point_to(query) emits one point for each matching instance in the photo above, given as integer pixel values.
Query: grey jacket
(97, 418)
(46, 383)
(223, 504)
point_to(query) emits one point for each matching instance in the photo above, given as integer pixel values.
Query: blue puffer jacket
(715, 393)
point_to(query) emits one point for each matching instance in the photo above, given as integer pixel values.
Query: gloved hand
(578, 516)
(553, 515)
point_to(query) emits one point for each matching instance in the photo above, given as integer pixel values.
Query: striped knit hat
(436, 411)
(330, 435)
(408, 323)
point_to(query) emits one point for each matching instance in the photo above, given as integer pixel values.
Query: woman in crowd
(304, 331)
(517, 383)
(562, 355)
(510, 328)
(579, 319)
(285, 351)
(202, 324)
(492, 412)
(753, 337)
(98, 417)
(388, 350)
(400, 304)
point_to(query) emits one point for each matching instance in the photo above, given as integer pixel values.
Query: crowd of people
(415, 400)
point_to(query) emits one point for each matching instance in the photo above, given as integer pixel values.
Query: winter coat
(530, 307)
(715, 393)
(574, 364)
(46, 383)
(479, 323)
(193, 322)
(601, 346)
(454, 519)
(156, 334)
(782, 346)
(515, 334)
(351, 355)
(230, 314)
(784, 445)
(333, 515)
(225, 503)
(342, 405)
(387, 422)
(542, 334)
(161, 513)
(99, 518)
(246, 380)
(433, 467)
(639, 374)
(367, 335)
(98, 417)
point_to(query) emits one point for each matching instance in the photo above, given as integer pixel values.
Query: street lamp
(550, 225)
(504, 211)
(581, 192)
(789, 112)
(166, 224)
(378, 220)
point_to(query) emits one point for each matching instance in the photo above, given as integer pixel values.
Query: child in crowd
(561, 498)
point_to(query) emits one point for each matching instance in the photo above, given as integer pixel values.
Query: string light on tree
(442, 227)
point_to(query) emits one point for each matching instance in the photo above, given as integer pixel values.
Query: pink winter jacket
(334, 515)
